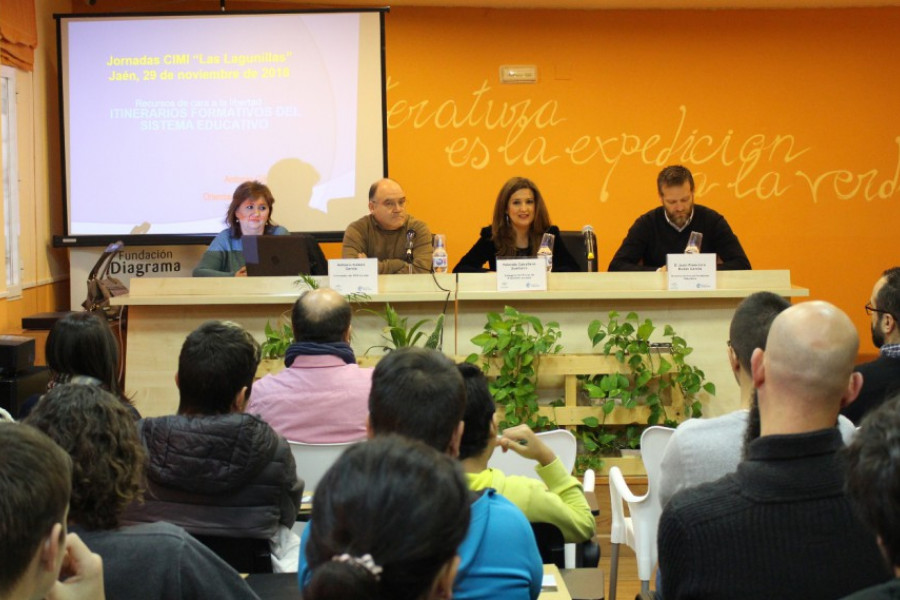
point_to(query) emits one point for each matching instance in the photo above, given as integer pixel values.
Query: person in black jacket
(666, 229)
(214, 469)
(520, 221)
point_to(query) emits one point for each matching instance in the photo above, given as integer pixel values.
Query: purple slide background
(123, 172)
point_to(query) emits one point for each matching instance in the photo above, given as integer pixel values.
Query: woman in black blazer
(520, 221)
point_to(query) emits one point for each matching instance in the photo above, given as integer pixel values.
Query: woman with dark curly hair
(150, 561)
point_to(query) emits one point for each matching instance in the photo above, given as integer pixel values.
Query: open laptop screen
(274, 255)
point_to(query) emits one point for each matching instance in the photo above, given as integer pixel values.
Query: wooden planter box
(561, 372)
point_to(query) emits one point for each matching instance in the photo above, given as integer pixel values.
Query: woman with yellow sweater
(559, 500)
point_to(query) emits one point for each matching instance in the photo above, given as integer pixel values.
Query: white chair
(561, 441)
(313, 460)
(564, 445)
(638, 530)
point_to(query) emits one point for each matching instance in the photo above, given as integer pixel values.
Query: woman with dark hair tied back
(386, 523)
(519, 222)
(81, 348)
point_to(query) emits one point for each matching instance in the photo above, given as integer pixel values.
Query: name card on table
(691, 271)
(521, 274)
(353, 275)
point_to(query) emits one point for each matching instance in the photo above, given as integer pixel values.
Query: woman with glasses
(250, 213)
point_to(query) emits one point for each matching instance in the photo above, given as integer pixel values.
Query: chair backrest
(574, 242)
(561, 441)
(312, 460)
(245, 555)
(653, 445)
(550, 543)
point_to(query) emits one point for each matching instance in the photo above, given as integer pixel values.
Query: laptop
(280, 255)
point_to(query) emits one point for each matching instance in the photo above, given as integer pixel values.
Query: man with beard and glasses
(881, 377)
(780, 526)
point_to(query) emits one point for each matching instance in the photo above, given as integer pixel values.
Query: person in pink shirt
(322, 395)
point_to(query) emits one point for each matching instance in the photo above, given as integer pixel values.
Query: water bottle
(439, 254)
(546, 250)
(694, 243)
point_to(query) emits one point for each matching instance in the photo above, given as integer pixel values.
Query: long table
(162, 311)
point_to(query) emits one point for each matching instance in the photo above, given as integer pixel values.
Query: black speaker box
(16, 354)
(15, 390)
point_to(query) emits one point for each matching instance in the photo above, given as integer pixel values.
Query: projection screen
(163, 116)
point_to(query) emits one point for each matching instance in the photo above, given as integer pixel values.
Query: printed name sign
(521, 274)
(691, 271)
(353, 275)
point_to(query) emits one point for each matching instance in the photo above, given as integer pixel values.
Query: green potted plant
(512, 345)
(652, 371)
(399, 334)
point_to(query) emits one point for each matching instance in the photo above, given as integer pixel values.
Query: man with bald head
(780, 526)
(322, 395)
(400, 242)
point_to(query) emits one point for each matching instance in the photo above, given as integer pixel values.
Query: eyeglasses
(392, 204)
(870, 309)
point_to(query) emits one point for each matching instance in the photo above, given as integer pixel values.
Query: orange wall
(788, 119)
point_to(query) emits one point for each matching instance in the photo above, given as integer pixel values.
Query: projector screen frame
(68, 239)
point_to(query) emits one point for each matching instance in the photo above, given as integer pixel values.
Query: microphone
(410, 239)
(590, 248)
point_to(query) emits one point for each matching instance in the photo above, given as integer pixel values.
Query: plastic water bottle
(439, 254)
(546, 250)
(694, 243)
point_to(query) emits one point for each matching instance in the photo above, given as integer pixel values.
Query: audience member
(250, 213)
(519, 223)
(881, 377)
(559, 500)
(420, 394)
(35, 551)
(667, 228)
(81, 348)
(873, 484)
(400, 242)
(703, 450)
(780, 526)
(213, 469)
(322, 396)
(107, 461)
(368, 541)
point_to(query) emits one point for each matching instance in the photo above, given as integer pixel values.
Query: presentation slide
(165, 116)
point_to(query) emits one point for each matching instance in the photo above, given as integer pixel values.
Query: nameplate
(521, 274)
(691, 271)
(353, 275)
